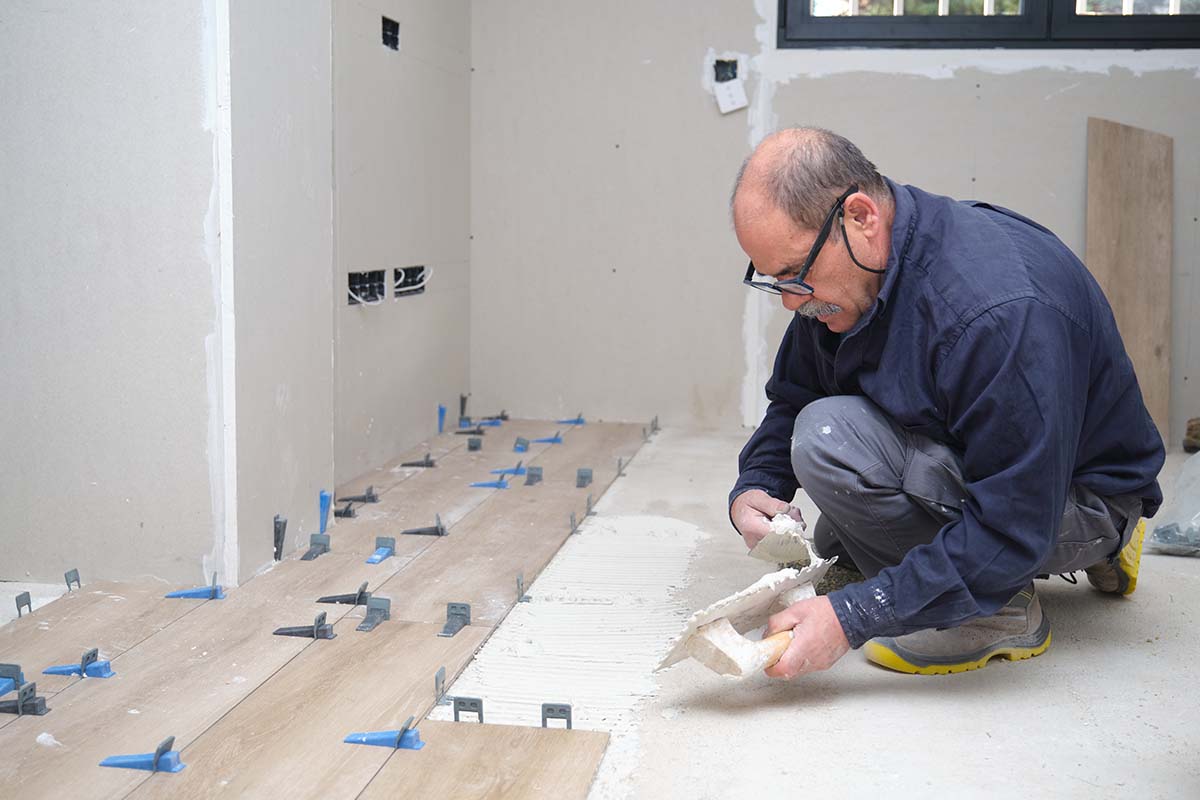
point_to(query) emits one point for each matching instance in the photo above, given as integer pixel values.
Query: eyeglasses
(797, 285)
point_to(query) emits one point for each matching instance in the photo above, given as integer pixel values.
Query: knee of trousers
(827, 439)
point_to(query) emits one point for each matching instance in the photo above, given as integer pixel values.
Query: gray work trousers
(883, 490)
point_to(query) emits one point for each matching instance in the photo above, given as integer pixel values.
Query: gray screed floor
(1108, 710)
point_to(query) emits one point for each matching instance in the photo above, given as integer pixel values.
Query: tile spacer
(90, 666)
(574, 524)
(620, 467)
(437, 529)
(324, 499)
(469, 705)
(583, 478)
(462, 404)
(356, 599)
(10, 678)
(521, 445)
(210, 592)
(368, 496)
(440, 698)
(476, 431)
(496, 484)
(318, 544)
(556, 711)
(579, 420)
(654, 425)
(458, 616)
(72, 576)
(645, 436)
(555, 439)
(533, 476)
(407, 738)
(427, 461)
(465, 422)
(591, 510)
(378, 610)
(23, 599)
(521, 596)
(27, 702)
(318, 630)
(474, 444)
(385, 547)
(502, 416)
(163, 759)
(280, 532)
(345, 511)
(489, 422)
(517, 470)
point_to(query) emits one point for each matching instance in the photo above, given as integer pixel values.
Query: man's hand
(817, 638)
(752, 511)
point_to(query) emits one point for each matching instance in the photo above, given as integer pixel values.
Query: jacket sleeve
(1015, 396)
(766, 461)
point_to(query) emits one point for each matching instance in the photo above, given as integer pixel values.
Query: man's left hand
(818, 640)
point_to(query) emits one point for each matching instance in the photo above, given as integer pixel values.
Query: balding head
(801, 171)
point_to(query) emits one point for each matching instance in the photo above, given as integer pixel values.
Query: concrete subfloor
(1109, 710)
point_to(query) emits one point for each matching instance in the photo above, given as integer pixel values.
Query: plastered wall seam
(220, 345)
(762, 120)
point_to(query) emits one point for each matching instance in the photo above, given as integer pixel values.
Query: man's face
(842, 292)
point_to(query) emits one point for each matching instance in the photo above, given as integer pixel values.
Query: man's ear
(860, 209)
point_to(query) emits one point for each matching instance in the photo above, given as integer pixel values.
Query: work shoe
(1017, 631)
(1191, 439)
(1119, 575)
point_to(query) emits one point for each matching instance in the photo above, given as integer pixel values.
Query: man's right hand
(752, 512)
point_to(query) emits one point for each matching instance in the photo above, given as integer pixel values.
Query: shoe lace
(1069, 577)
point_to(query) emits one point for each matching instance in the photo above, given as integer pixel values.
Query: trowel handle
(774, 645)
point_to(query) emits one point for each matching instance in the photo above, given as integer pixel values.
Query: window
(989, 23)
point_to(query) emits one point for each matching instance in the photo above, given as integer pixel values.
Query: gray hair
(807, 171)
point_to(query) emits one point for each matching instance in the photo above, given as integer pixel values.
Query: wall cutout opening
(367, 288)
(410, 281)
(391, 33)
(726, 70)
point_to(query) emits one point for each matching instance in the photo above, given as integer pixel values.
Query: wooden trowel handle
(774, 646)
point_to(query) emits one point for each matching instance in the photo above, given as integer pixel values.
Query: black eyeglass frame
(779, 287)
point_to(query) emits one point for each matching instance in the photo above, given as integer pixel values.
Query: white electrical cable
(361, 301)
(400, 291)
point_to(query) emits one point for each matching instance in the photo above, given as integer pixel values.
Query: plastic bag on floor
(1177, 527)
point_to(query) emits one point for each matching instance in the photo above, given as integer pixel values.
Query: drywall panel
(107, 152)
(283, 251)
(401, 177)
(605, 275)
(601, 172)
(1129, 217)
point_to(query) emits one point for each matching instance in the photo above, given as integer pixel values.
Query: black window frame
(1044, 24)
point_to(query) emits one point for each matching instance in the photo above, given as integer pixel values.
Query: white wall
(607, 278)
(604, 275)
(401, 184)
(108, 172)
(282, 124)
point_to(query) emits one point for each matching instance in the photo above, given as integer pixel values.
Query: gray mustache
(816, 308)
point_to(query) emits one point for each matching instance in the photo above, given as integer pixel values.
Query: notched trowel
(713, 635)
(784, 543)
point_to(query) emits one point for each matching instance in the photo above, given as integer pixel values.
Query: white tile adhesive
(602, 615)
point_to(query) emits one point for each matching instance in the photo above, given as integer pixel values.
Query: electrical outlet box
(410, 280)
(367, 287)
(391, 33)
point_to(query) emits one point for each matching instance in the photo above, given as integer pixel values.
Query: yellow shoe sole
(1130, 559)
(886, 657)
